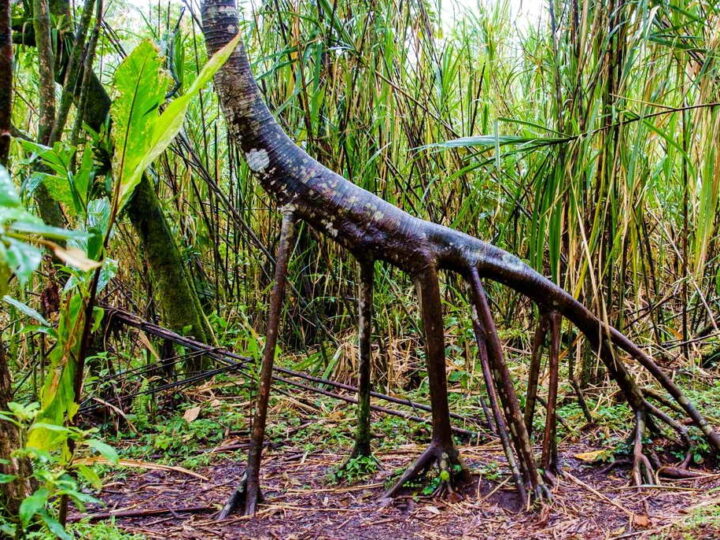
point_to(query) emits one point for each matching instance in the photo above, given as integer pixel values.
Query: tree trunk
(6, 80)
(177, 297)
(11, 493)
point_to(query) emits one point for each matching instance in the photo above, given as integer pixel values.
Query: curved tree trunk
(370, 227)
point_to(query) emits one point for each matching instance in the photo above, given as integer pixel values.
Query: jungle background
(580, 135)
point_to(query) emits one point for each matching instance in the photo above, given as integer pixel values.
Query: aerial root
(549, 458)
(238, 499)
(451, 470)
(517, 446)
(642, 470)
(543, 493)
(676, 426)
(534, 372)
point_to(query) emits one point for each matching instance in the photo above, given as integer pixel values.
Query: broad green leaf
(8, 193)
(27, 310)
(141, 84)
(58, 187)
(105, 450)
(58, 394)
(51, 427)
(7, 478)
(140, 132)
(98, 222)
(38, 329)
(57, 158)
(84, 176)
(24, 411)
(98, 314)
(9, 214)
(89, 474)
(22, 258)
(54, 526)
(32, 505)
(46, 231)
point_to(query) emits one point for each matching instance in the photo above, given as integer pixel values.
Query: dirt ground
(589, 503)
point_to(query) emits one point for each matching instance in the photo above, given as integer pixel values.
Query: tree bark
(48, 209)
(176, 295)
(6, 80)
(11, 493)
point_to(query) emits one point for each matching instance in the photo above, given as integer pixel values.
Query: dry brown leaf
(590, 457)
(74, 257)
(148, 345)
(191, 414)
(641, 520)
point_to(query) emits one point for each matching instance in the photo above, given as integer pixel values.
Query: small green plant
(102, 530)
(491, 471)
(55, 473)
(353, 470)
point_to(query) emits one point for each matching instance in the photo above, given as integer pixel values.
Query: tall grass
(585, 143)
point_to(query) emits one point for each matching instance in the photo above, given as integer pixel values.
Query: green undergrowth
(101, 531)
(313, 423)
(353, 470)
(703, 521)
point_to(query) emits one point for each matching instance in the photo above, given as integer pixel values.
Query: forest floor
(591, 501)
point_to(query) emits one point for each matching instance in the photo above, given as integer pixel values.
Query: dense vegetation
(586, 143)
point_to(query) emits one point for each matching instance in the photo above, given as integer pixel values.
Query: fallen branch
(97, 516)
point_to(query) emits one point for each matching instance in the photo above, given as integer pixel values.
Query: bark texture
(11, 493)
(6, 80)
(48, 209)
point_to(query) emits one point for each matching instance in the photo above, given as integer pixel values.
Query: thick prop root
(531, 483)
(451, 470)
(442, 450)
(642, 469)
(549, 461)
(238, 499)
(534, 373)
(250, 486)
(502, 429)
(365, 309)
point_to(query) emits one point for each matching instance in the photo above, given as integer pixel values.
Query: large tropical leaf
(140, 131)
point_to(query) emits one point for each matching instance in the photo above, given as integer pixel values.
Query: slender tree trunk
(11, 493)
(48, 209)
(6, 80)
